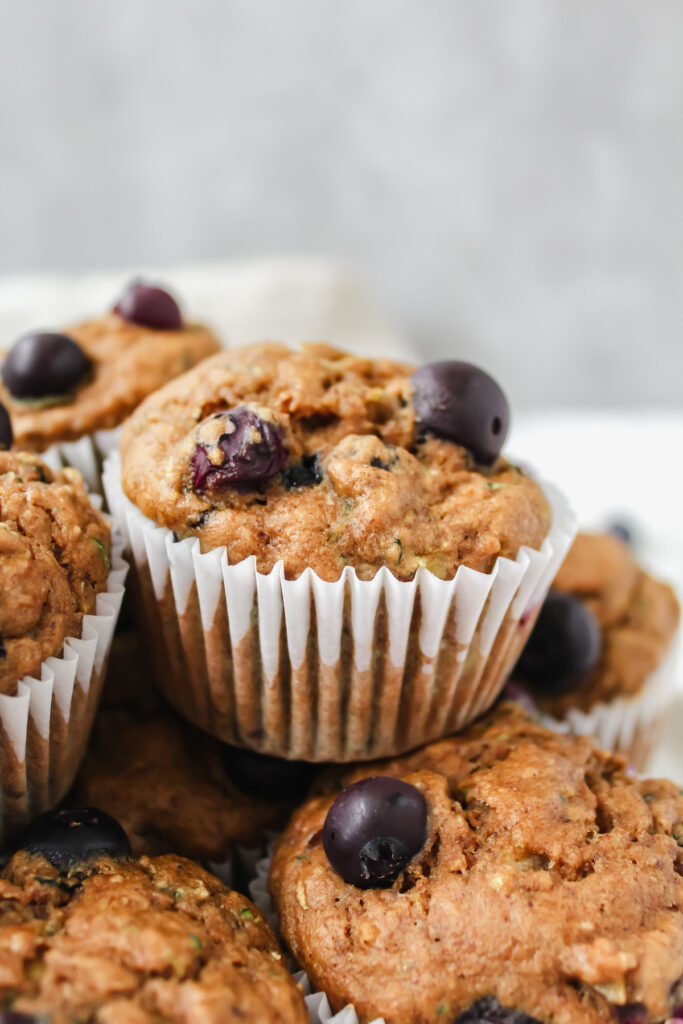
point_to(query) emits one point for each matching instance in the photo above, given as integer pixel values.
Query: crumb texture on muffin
(550, 881)
(166, 782)
(137, 942)
(55, 557)
(361, 486)
(637, 614)
(129, 362)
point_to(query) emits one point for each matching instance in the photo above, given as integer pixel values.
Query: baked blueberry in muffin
(90, 934)
(507, 874)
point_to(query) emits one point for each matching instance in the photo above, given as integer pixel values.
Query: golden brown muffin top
(637, 614)
(55, 557)
(129, 362)
(148, 941)
(385, 496)
(549, 881)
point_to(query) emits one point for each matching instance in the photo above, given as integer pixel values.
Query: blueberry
(460, 402)
(71, 835)
(563, 647)
(623, 530)
(44, 364)
(6, 432)
(489, 1011)
(250, 451)
(304, 474)
(268, 778)
(150, 307)
(373, 829)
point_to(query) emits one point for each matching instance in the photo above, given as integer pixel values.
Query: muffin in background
(67, 392)
(90, 933)
(335, 561)
(176, 789)
(61, 584)
(508, 874)
(599, 660)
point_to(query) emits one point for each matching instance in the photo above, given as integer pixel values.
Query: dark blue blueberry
(305, 473)
(42, 365)
(489, 1011)
(564, 646)
(268, 778)
(6, 432)
(250, 452)
(462, 403)
(623, 530)
(373, 829)
(150, 307)
(70, 835)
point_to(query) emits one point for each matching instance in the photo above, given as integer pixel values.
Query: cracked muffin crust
(549, 885)
(128, 361)
(169, 786)
(351, 480)
(148, 941)
(638, 616)
(55, 557)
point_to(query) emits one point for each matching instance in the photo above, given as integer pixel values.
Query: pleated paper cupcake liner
(317, 1003)
(629, 725)
(87, 455)
(318, 671)
(44, 727)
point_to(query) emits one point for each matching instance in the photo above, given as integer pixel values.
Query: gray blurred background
(505, 177)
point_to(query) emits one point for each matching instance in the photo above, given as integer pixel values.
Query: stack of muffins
(334, 575)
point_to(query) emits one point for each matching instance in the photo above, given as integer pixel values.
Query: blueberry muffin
(91, 935)
(325, 460)
(335, 558)
(55, 558)
(59, 387)
(175, 789)
(61, 583)
(594, 660)
(506, 874)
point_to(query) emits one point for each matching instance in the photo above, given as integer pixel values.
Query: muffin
(66, 392)
(61, 579)
(597, 662)
(174, 789)
(334, 557)
(91, 935)
(506, 874)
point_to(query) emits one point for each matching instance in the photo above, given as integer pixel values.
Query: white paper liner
(629, 725)
(44, 728)
(87, 455)
(317, 1003)
(319, 671)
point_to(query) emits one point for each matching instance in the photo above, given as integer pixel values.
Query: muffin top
(55, 557)
(637, 617)
(175, 788)
(319, 458)
(120, 362)
(111, 939)
(546, 883)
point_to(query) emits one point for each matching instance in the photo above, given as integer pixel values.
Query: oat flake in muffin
(317, 457)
